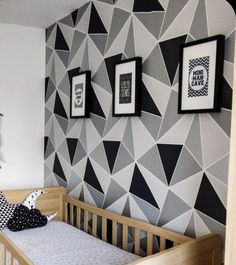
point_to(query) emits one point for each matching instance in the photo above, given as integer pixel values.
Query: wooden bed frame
(206, 250)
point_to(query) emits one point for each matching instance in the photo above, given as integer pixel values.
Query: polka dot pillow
(6, 211)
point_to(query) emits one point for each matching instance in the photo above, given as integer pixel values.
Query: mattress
(62, 244)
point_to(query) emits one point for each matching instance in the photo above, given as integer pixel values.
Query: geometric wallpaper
(164, 168)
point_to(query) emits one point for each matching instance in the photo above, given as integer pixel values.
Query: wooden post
(230, 249)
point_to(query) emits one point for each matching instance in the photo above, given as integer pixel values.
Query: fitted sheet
(58, 243)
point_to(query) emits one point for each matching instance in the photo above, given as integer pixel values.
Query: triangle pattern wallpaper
(163, 168)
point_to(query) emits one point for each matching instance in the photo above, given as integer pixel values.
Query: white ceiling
(36, 13)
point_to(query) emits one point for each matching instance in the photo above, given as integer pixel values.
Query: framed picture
(200, 76)
(127, 87)
(80, 89)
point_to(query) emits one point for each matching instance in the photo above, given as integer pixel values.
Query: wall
(22, 68)
(164, 168)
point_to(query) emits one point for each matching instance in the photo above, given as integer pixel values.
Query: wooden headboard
(52, 201)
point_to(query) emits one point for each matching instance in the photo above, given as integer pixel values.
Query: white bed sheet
(60, 244)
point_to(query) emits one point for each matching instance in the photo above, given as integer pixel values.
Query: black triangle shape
(59, 108)
(71, 143)
(147, 6)
(226, 95)
(49, 31)
(148, 104)
(60, 41)
(96, 24)
(74, 16)
(209, 203)
(171, 53)
(95, 106)
(140, 188)
(111, 149)
(72, 73)
(57, 169)
(110, 65)
(46, 86)
(169, 156)
(45, 144)
(91, 178)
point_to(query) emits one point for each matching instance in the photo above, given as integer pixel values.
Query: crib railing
(86, 217)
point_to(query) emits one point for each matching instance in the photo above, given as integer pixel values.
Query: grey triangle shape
(76, 44)
(60, 181)
(149, 66)
(64, 86)
(81, 196)
(49, 52)
(67, 21)
(223, 119)
(85, 62)
(52, 134)
(52, 38)
(73, 182)
(50, 149)
(118, 21)
(101, 78)
(128, 138)
(50, 89)
(123, 159)
(63, 151)
(149, 211)
(186, 167)
(71, 124)
(220, 170)
(152, 123)
(81, 12)
(130, 47)
(97, 196)
(64, 56)
(151, 160)
(99, 123)
(83, 136)
(229, 51)
(100, 41)
(173, 9)
(114, 193)
(190, 230)
(173, 207)
(199, 26)
(53, 72)
(99, 156)
(152, 22)
(214, 226)
(193, 142)
(48, 115)
(126, 211)
(171, 116)
(79, 153)
(63, 123)
(110, 122)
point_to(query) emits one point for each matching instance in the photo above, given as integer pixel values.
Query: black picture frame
(201, 75)
(127, 87)
(79, 103)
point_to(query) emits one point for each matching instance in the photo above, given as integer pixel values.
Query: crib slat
(12, 260)
(136, 241)
(78, 218)
(94, 229)
(162, 243)
(85, 221)
(5, 255)
(66, 212)
(71, 214)
(104, 229)
(149, 244)
(114, 233)
(125, 237)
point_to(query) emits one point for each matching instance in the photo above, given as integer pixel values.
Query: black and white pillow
(6, 211)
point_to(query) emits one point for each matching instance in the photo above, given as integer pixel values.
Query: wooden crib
(206, 250)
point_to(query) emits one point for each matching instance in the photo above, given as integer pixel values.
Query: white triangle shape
(200, 228)
(80, 167)
(117, 131)
(135, 211)
(188, 189)
(93, 137)
(124, 177)
(141, 135)
(88, 197)
(95, 57)
(118, 206)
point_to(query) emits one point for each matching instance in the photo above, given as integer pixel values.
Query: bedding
(62, 244)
